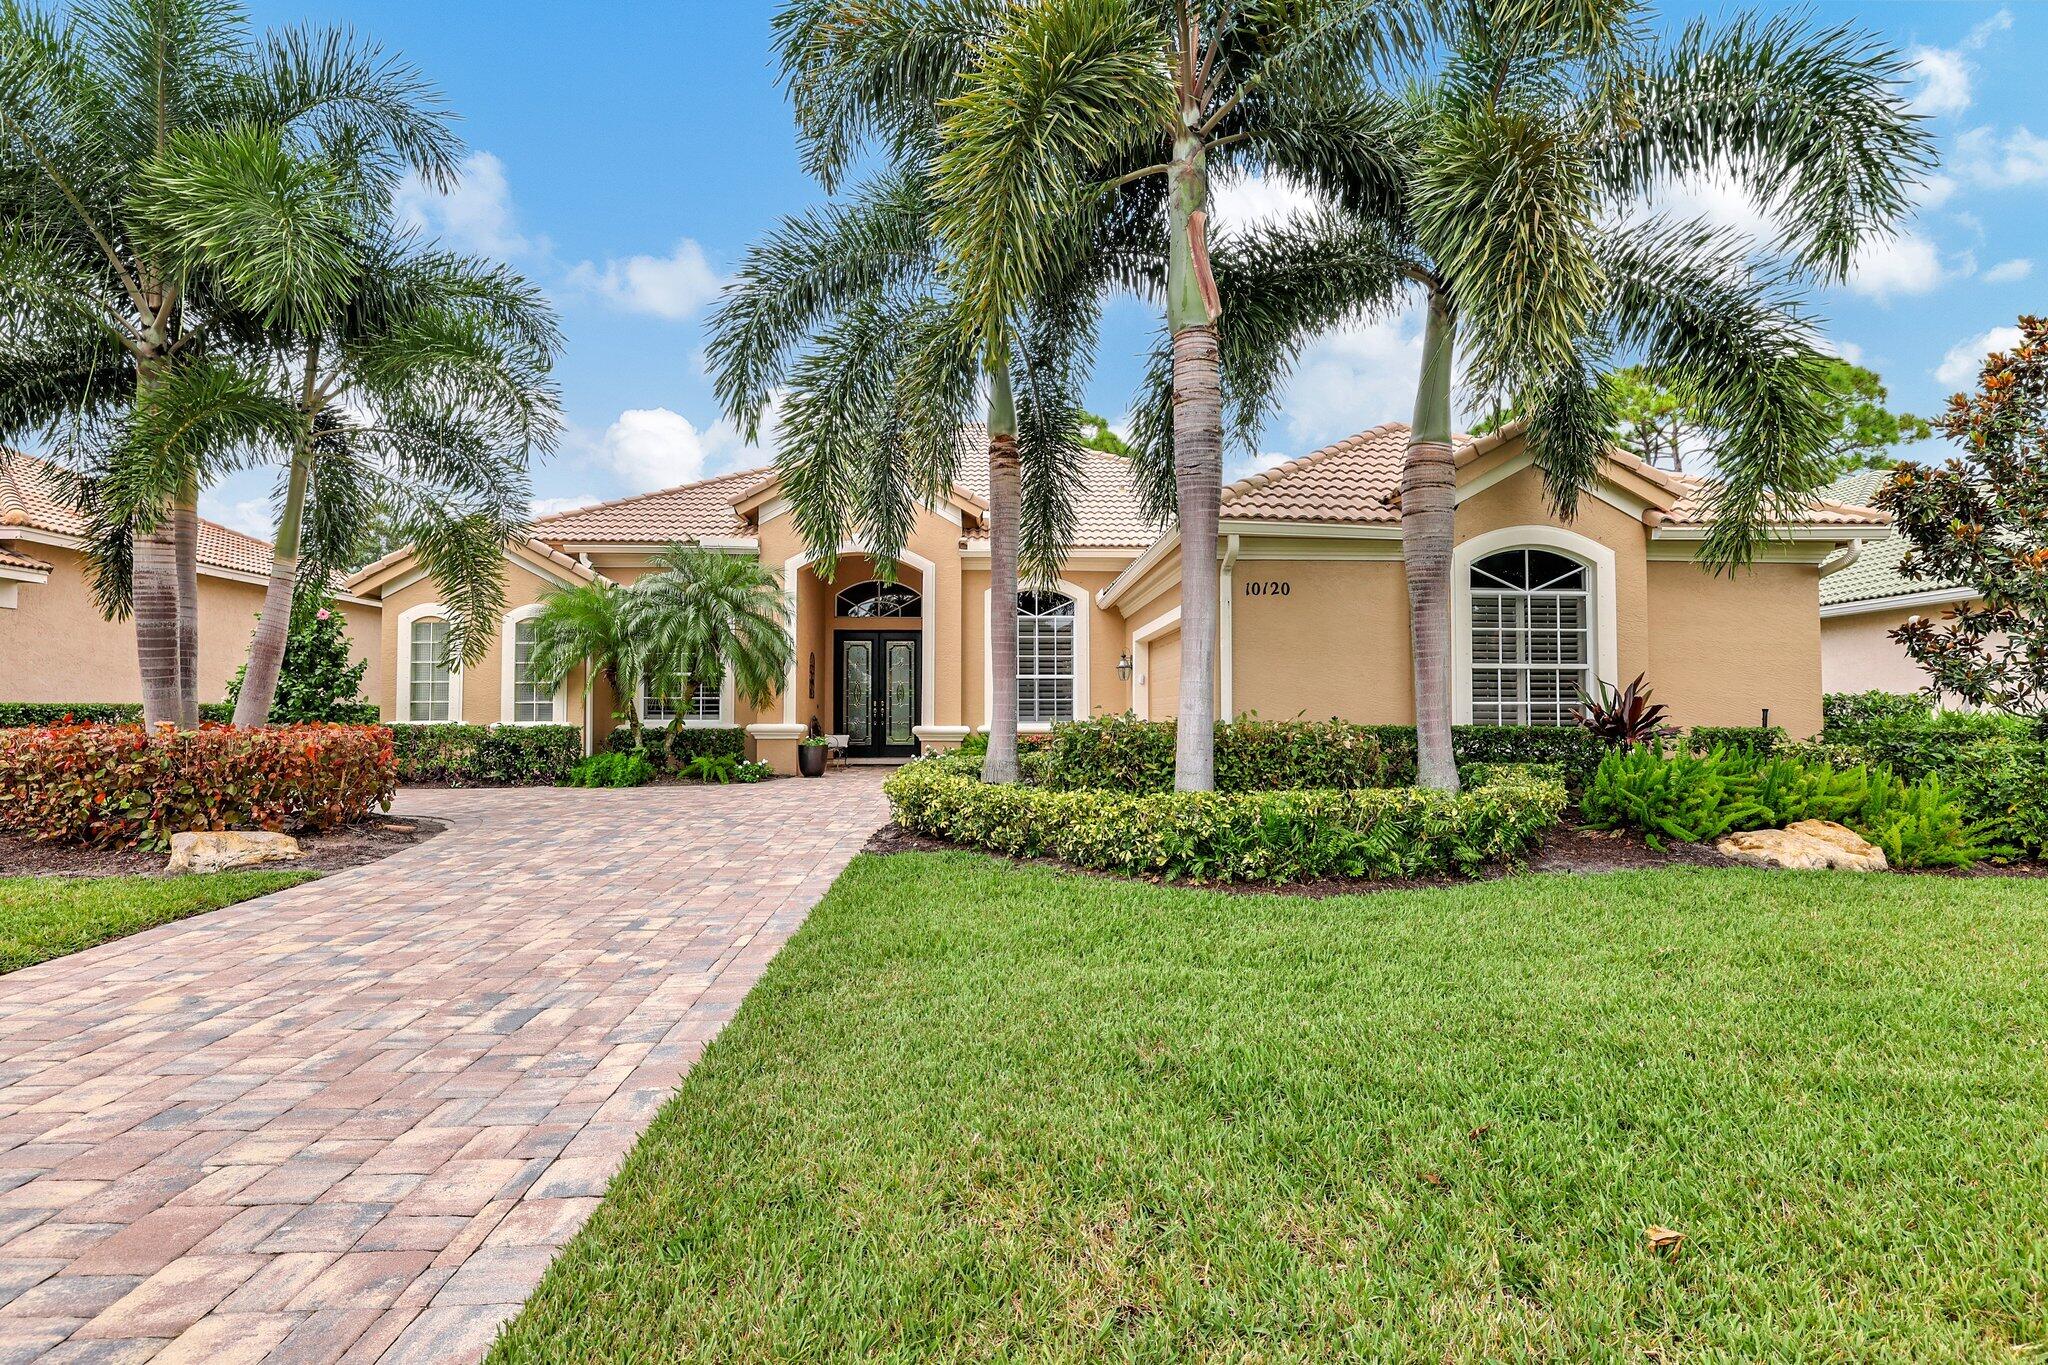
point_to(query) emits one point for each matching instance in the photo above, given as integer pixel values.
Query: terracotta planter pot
(810, 759)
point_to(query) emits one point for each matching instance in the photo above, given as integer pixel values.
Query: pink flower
(322, 614)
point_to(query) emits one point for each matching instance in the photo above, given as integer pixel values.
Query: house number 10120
(1268, 588)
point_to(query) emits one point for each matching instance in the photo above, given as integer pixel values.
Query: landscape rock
(1806, 844)
(219, 850)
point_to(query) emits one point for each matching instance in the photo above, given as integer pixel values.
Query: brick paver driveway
(355, 1119)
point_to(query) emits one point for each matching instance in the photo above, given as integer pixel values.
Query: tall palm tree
(1074, 97)
(875, 403)
(701, 615)
(419, 378)
(110, 354)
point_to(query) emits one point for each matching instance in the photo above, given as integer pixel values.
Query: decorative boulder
(1807, 843)
(219, 850)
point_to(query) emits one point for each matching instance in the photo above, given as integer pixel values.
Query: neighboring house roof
(692, 511)
(1358, 480)
(1872, 575)
(1110, 514)
(31, 498)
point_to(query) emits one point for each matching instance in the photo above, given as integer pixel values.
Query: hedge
(1261, 836)
(116, 786)
(486, 755)
(1121, 753)
(670, 747)
(15, 714)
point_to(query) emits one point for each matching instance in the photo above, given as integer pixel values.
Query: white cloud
(1944, 75)
(650, 448)
(1905, 263)
(548, 507)
(673, 286)
(250, 516)
(2017, 158)
(1258, 200)
(1934, 190)
(476, 214)
(2009, 272)
(1845, 349)
(1966, 358)
(1982, 33)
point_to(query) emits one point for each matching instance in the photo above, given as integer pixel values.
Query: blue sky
(624, 155)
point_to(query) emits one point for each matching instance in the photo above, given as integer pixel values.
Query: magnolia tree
(1981, 521)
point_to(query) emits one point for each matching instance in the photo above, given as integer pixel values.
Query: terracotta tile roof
(10, 560)
(1357, 480)
(31, 497)
(1874, 573)
(1109, 516)
(689, 512)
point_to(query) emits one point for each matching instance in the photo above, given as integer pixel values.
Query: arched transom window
(876, 598)
(1045, 657)
(1532, 613)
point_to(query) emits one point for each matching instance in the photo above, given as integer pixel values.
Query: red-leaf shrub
(116, 786)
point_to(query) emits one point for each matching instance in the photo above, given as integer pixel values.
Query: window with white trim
(1045, 657)
(876, 598)
(532, 702)
(1532, 638)
(705, 704)
(427, 695)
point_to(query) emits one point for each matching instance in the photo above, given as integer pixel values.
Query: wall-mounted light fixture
(1123, 668)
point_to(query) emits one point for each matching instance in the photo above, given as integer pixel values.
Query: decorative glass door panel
(857, 671)
(876, 681)
(902, 691)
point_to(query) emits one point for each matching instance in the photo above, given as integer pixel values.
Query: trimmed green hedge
(1265, 836)
(670, 748)
(1121, 753)
(486, 755)
(20, 714)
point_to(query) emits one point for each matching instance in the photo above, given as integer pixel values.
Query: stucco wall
(1107, 694)
(1724, 648)
(483, 684)
(1162, 686)
(56, 647)
(1857, 653)
(1336, 644)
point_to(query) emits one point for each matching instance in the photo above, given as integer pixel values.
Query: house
(1313, 611)
(1865, 596)
(55, 646)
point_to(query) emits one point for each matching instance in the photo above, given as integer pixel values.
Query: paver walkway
(354, 1120)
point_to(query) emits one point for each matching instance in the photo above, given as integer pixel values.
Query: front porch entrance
(875, 678)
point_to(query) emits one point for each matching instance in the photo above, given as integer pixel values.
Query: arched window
(1532, 613)
(429, 686)
(876, 598)
(532, 704)
(1045, 657)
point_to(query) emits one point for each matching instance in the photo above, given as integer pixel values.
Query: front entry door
(875, 678)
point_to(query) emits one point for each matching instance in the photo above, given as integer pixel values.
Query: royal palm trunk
(1192, 310)
(154, 585)
(1428, 541)
(1005, 513)
(185, 539)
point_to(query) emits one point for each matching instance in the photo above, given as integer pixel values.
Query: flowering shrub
(115, 786)
(1271, 836)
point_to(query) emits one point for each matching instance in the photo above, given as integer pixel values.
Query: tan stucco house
(1865, 597)
(54, 644)
(1313, 605)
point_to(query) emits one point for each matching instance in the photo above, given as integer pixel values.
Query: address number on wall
(1269, 587)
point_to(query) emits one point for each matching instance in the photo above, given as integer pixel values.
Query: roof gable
(32, 498)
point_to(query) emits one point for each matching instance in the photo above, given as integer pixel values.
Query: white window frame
(425, 611)
(1600, 562)
(722, 719)
(1084, 627)
(508, 691)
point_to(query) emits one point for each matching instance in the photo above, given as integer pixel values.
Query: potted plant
(811, 753)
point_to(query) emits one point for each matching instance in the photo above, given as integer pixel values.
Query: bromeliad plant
(1626, 716)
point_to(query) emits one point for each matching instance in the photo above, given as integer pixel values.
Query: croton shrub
(1256, 836)
(117, 786)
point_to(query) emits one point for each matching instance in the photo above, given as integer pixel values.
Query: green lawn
(977, 1111)
(46, 917)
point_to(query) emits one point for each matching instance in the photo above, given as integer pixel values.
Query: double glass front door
(875, 679)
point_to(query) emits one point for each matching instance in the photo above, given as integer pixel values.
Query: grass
(979, 1111)
(46, 917)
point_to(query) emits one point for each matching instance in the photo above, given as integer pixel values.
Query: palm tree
(111, 354)
(589, 623)
(875, 403)
(702, 614)
(419, 377)
(1074, 97)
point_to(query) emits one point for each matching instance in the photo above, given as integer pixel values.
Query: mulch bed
(1566, 849)
(352, 845)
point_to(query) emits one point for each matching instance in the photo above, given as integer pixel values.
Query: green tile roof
(1875, 574)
